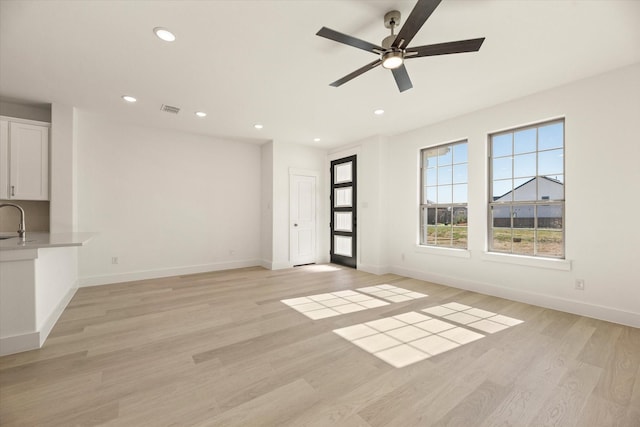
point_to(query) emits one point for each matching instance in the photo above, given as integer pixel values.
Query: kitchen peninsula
(38, 278)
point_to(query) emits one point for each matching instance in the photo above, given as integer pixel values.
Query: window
(526, 208)
(443, 199)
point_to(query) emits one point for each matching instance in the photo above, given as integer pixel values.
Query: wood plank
(564, 406)
(270, 409)
(617, 381)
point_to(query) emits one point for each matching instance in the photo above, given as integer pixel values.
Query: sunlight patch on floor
(321, 306)
(392, 293)
(410, 337)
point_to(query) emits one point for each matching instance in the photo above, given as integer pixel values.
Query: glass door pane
(343, 221)
(342, 197)
(342, 246)
(342, 173)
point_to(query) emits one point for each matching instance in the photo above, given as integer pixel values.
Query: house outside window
(527, 204)
(443, 196)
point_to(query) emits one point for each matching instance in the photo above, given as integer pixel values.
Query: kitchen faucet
(22, 233)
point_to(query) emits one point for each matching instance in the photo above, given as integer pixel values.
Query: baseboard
(609, 314)
(266, 264)
(280, 265)
(374, 269)
(167, 272)
(50, 322)
(19, 343)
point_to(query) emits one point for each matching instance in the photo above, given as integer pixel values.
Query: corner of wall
(63, 216)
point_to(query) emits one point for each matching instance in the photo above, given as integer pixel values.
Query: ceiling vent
(170, 109)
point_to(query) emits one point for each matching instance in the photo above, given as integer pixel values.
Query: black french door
(343, 211)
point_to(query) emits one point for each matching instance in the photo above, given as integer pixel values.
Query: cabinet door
(29, 162)
(4, 159)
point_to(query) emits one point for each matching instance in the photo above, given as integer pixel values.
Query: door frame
(351, 261)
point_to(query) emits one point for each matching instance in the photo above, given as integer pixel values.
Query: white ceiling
(245, 62)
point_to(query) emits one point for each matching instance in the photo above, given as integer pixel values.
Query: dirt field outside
(522, 241)
(527, 241)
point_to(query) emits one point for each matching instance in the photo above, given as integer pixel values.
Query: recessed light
(164, 34)
(316, 139)
(378, 112)
(201, 114)
(129, 98)
(258, 126)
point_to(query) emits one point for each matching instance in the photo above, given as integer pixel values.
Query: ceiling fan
(395, 50)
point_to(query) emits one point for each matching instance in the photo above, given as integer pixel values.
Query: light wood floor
(220, 349)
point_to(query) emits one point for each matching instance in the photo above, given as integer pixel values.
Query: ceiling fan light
(392, 59)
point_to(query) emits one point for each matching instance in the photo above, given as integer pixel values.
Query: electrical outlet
(114, 260)
(580, 284)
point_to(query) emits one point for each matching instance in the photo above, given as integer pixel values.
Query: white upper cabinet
(24, 160)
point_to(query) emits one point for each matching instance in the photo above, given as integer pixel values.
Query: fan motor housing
(386, 42)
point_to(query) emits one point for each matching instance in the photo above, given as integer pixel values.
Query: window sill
(437, 250)
(550, 263)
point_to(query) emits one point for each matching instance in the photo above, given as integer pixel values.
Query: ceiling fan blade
(418, 16)
(402, 78)
(349, 40)
(472, 45)
(356, 73)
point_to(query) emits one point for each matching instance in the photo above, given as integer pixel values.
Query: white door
(302, 218)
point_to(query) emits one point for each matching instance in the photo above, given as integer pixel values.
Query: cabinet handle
(13, 190)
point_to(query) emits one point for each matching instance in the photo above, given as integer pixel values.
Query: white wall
(293, 156)
(602, 175)
(164, 202)
(63, 177)
(266, 205)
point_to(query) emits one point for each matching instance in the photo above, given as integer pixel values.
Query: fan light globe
(392, 59)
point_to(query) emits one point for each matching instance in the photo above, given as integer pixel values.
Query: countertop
(36, 240)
